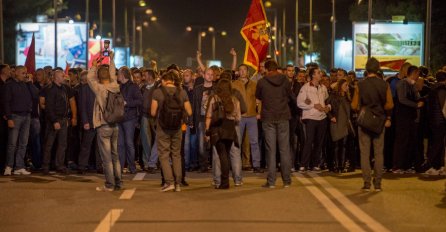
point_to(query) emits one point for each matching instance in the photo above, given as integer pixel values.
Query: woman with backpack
(340, 125)
(223, 113)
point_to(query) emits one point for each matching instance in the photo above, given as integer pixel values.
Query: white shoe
(8, 171)
(21, 172)
(442, 172)
(177, 188)
(432, 172)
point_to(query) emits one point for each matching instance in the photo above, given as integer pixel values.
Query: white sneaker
(432, 172)
(8, 171)
(442, 172)
(21, 171)
(177, 188)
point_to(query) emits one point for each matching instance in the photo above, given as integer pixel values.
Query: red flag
(394, 65)
(256, 35)
(30, 62)
(67, 67)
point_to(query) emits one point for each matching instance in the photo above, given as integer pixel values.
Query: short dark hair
(289, 66)
(271, 65)
(311, 72)
(440, 76)
(126, 72)
(2, 66)
(174, 67)
(412, 69)
(343, 70)
(57, 69)
(372, 66)
(168, 76)
(75, 71)
(244, 65)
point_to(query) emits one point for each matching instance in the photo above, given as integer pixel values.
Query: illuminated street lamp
(153, 18)
(211, 29)
(224, 33)
(149, 11)
(203, 34)
(145, 24)
(189, 28)
(142, 3)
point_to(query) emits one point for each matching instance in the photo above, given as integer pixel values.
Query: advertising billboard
(95, 49)
(392, 44)
(71, 43)
(122, 56)
(343, 57)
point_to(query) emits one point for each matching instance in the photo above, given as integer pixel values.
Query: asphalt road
(314, 202)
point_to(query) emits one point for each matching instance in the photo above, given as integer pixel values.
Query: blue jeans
(18, 141)
(203, 146)
(107, 137)
(236, 161)
(149, 158)
(190, 149)
(126, 145)
(277, 131)
(250, 124)
(36, 147)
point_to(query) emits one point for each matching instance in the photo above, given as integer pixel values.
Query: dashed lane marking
(109, 220)
(127, 194)
(139, 176)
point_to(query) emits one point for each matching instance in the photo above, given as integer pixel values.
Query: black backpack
(218, 112)
(171, 113)
(114, 108)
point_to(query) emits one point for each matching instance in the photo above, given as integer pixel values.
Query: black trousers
(223, 147)
(405, 139)
(88, 138)
(3, 142)
(435, 149)
(340, 148)
(50, 138)
(73, 145)
(315, 133)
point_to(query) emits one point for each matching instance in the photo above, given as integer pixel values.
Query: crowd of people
(178, 120)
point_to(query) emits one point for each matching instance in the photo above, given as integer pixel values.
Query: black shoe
(82, 171)
(222, 187)
(247, 169)
(63, 171)
(151, 170)
(184, 184)
(257, 170)
(100, 171)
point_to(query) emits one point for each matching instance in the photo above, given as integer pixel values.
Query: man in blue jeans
(102, 81)
(133, 100)
(17, 107)
(274, 92)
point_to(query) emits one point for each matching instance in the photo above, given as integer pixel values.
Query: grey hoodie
(274, 91)
(101, 92)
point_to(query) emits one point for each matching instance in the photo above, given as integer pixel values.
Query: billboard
(122, 56)
(71, 41)
(95, 48)
(392, 44)
(343, 57)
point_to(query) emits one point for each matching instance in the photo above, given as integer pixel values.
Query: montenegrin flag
(256, 35)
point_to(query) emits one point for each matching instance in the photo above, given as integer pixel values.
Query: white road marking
(109, 220)
(337, 213)
(349, 205)
(139, 176)
(127, 194)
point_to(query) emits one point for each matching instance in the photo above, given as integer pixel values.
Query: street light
(203, 34)
(149, 11)
(211, 29)
(153, 18)
(142, 3)
(189, 28)
(145, 24)
(224, 33)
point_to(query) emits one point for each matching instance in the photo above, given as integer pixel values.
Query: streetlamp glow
(224, 33)
(203, 34)
(153, 18)
(189, 28)
(149, 11)
(268, 4)
(211, 29)
(145, 24)
(142, 3)
(138, 28)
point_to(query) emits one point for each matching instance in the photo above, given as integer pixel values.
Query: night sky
(170, 40)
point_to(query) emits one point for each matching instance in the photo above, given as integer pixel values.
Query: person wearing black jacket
(148, 123)
(58, 99)
(132, 101)
(17, 107)
(5, 74)
(73, 129)
(437, 125)
(86, 107)
(274, 92)
(34, 138)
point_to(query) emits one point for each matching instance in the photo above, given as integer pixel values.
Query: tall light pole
(311, 31)
(87, 19)
(212, 31)
(333, 33)
(427, 49)
(100, 17)
(139, 28)
(114, 21)
(126, 29)
(284, 38)
(296, 45)
(134, 32)
(369, 43)
(2, 54)
(55, 32)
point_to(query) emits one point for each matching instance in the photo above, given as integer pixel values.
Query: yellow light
(138, 28)
(189, 28)
(268, 4)
(211, 29)
(142, 3)
(153, 18)
(149, 11)
(145, 24)
(224, 33)
(203, 34)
